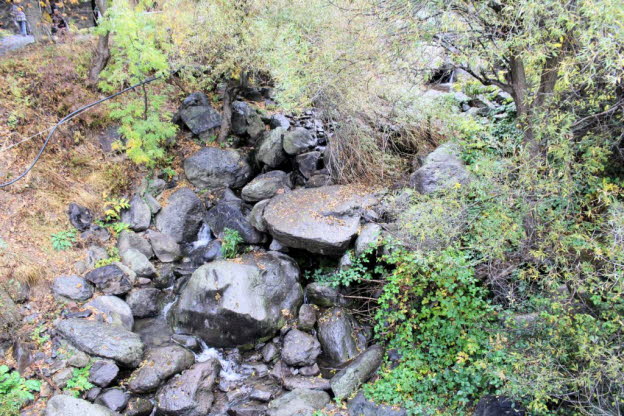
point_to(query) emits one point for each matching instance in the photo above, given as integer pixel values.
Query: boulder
(103, 372)
(205, 253)
(103, 340)
(279, 120)
(307, 316)
(63, 405)
(369, 236)
(165, 247)
(160, 364)
(145, 302)
(498, 406)
(308, 163)
(139, 215)
(256, 218)
(360, 406)
(297, 141)
(114, 399)
(300, 349)
(442, 169)
(231, 303)
(213, 167)
(138, 263)
(336, 334)
(298, 402)
(197, 114)
(318, 180)
(128, 239)
(232, 214)
(139, 406)
(190, 393)
(349, 379)
(320, 220)
(246, 121)
(324, 295)
(95, 254)
(182, 216)
(269, 150)
(114, 279)
(152, 203)
(72, 287)
(79, 216)
(265, 186)
(112, 310)
(308, 383)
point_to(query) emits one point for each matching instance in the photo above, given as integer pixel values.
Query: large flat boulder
(182, 216)
(298, 402)
(320, 220)
(103, 340)
(64, 405)
(213, 167)
(237, 302)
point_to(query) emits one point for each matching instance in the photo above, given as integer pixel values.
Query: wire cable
(69, 117)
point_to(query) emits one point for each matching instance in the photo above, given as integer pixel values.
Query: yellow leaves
(461, 357)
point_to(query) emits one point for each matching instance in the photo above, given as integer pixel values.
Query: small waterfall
(228, 368)
(166, 308)
(204, 236)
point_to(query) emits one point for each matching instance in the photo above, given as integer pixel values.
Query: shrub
(15, 391)
(230, 242)
(63, 240)
(79, 382)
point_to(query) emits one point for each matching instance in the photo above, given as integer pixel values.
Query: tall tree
(102, 51)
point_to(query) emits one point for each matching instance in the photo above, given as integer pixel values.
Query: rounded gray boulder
(212, 167)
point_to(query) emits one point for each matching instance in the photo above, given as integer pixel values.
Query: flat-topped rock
(320, 220)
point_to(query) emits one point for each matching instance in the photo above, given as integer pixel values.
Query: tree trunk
(32, 9)
(520, 88)
(229, 94)
(102, 52)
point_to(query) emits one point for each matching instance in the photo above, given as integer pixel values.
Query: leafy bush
(230, 242)
(79, 382)
(63, 240)
(113, 256)
(15, 391)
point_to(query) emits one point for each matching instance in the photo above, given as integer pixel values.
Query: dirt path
(14, 42)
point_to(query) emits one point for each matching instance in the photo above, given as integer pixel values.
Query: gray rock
(79, 216)
(138, 263)
(318, 180)
(298, 402)
(95, 254)
(308, 163)
(190, 393)
(336, 334)
(346, 261)
(144, 302)
(129, 239)
(112, 310)
(360, 406)
(139, 406)
(311, 370)
(205, 254)
(300, 349)
(114, 279)
(246, 121)
(324, 295)
(269, 352)
(103, 372)
(152, 203)
(369, 235)
(269, 150)
(182, 216)
(72, 287)
(307, 316)
(76, 358)
(297, 141)
(498, 406)
(213, 167)
(230, 214)
(61, 377)
(279, 120)
(164, 276)
(256, 218)
(10, 316)
(103, 340)
(309, 383)
(277, 246)
(114, 399)
(160, 364)
(265, 186)
(139, 215)
(231, 303)
(199, 118)
(63, 405)
(441, 169)
(250, 408)
(165, 247)
(320, 220)
(350, 378)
